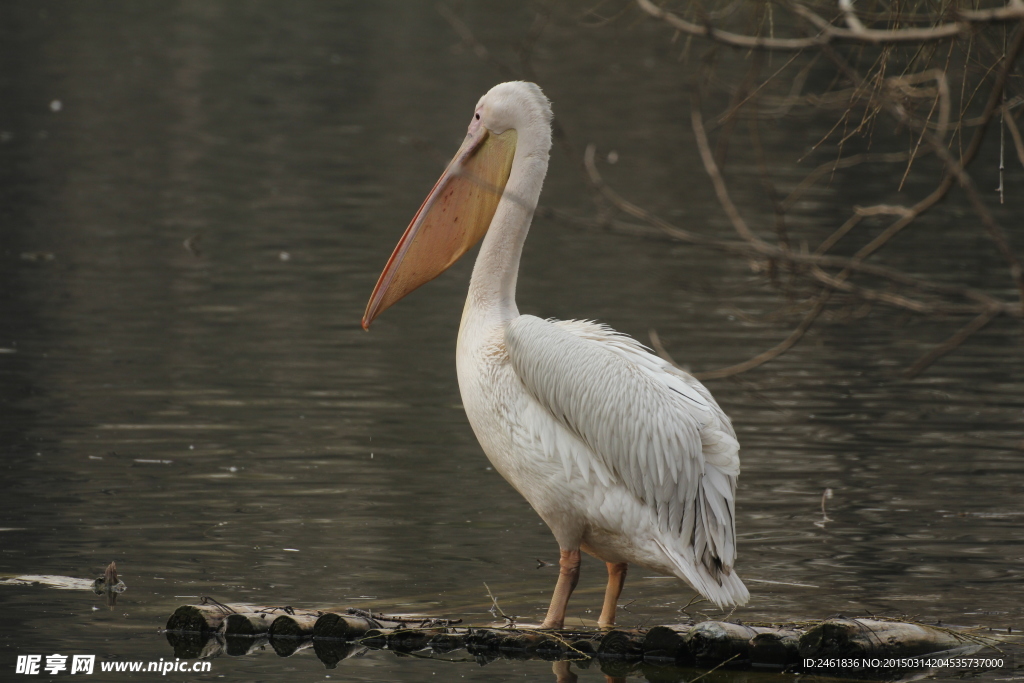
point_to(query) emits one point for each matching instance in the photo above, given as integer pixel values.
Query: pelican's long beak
(454, 216)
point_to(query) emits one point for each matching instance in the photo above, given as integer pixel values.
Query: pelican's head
(516, 105)
(458, 211)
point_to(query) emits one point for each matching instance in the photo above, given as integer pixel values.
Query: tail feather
(725, 589)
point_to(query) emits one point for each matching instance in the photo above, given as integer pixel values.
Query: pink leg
(616, 579)
(568, 575)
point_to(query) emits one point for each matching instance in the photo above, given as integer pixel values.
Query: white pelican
(622, 455)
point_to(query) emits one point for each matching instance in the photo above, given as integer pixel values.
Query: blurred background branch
(909, 85)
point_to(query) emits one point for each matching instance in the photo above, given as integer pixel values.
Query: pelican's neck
(492, 289)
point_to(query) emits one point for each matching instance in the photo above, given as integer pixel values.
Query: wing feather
(655, 429)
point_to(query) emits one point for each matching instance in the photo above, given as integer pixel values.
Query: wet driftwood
(720, 642)
(342, 626)
(108, 584)
(239, 619)
(447, 642)
(873, 638)
(295, 625)
(668, 644)
(627, 644)
(353, 624)
(778, 649)
(204, 618)
(336, 635)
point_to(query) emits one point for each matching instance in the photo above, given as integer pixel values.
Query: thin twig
(950, 344)
(496, 608)
(660, 349)
(777, 350)
(1011, 125)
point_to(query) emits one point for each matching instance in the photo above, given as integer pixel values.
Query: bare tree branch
(829, 33)
(950, 344)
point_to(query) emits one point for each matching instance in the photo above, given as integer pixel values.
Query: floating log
(376, 638)
(552, 648)
(261, 621)
(668, 644)
(627, 644)
(484, 640)
(775, 650)
(404, 620)
(873, 638)
(342, 626)
(447, 642)
(354, 623)
(411, 639)
(240, 620)
(522, 642)
(720, 642)
(583, 647)
(534, 645)
(248, 624)
(204, 618)
(294, 624)
(210, 628)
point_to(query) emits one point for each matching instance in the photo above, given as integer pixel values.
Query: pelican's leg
(568, 575)
(563, 674)
(616, 579)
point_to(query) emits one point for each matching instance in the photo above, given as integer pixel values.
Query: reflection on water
(211, 416)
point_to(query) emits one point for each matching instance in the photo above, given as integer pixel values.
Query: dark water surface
(216, 421)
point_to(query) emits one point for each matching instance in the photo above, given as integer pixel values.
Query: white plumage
(620, 453)
(623, 455)
(652, 435)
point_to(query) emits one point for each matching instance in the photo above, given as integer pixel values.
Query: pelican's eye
(478, 116)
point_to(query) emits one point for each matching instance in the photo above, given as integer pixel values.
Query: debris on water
(109, 581)
(37, 256)
(109, 584)
(50, 580)
(56, 105)
(826, 495)
(192, 245)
